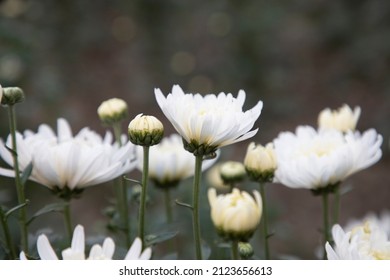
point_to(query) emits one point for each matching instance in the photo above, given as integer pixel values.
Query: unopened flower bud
(214, 179)
(235, 215)
(232, 172)
(145, 130)
(245, 250)
(112, 110)
(260, 162)
(12, 95)
(343, 119)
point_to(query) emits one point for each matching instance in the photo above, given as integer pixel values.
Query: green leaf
(184, 204)
(26, 173)
(53, 207)
(132, 180)
(16, 208)
(12, 151)
(152, 239)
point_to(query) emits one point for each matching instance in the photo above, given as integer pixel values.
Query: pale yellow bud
(112, 110)
(214, 179)
(232, 172)
(235, 215)
(343, 119)
(145, 130)
(260, 162)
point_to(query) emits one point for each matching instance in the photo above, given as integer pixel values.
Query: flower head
(97, 252)
(169, 162)
(365, 240)
(209, 122)
(343, 119)
(67, 163)
(112, 110)
(314, 159)
(235, 215)
(260, 162)
(145, 130)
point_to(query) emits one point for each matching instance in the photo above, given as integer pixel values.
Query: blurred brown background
(297, 56)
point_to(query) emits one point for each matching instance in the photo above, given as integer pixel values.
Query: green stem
(235, 255)
(18, 181)
(121, 191)
(168, 205)
(195, 204)
(265, 221)
(337, 205)
(145, 174)
(67, 221)
(325, 205)
(117, 132)
(7, 234)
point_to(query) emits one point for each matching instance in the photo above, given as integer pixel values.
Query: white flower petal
(45, 250)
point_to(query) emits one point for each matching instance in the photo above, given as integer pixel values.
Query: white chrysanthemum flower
(63, 161)
(343, 119)
(208, 122)
(1, 93)
(97, 252)
(367, 240)
(235, 215)
(314, 159)
(169, 163)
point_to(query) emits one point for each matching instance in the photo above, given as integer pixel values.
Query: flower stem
(117, 132)
(235, 255)
(337, 205)
(195, 204)
(121, 191)
(68, 222)
(18, 181)
(7, 233)
(168, 205)
(265, 221)
(325, 205)
(145, 174)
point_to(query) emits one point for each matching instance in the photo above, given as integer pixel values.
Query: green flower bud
(11, 96)
(232, 172)
(145, 130)
(112, 111)
(245, 250)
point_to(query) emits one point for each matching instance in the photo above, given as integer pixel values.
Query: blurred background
(297, 56)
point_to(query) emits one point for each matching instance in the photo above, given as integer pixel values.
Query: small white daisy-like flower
(367, 239)
(314, 159)
(97, 252)
(208, 122)
(65, 162)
